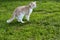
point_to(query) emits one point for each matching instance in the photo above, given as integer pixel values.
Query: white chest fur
(30, 11)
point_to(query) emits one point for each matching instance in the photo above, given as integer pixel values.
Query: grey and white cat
(22, 11)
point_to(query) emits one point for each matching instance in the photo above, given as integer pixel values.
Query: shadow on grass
(4, 24)
(15, 23)
(11, 26)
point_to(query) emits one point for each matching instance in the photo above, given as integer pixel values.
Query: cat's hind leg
(20, 18)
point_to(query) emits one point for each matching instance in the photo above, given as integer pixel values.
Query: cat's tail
(11, 19)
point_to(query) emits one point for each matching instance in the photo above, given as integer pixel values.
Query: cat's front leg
(27, 17)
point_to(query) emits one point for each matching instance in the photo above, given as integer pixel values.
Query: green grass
(44, 22)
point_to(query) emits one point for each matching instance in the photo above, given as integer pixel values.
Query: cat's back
(19, 8)
(22, 8)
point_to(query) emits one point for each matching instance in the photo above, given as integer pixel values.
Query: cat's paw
(22, 22)
(28, 20)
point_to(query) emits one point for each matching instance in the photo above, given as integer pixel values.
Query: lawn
(44, 22)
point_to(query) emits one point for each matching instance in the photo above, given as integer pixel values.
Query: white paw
(27, 19)
(22, 22)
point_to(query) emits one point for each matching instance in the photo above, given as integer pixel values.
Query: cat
(22, 11)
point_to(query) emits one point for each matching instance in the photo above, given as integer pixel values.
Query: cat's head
(33, 4)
